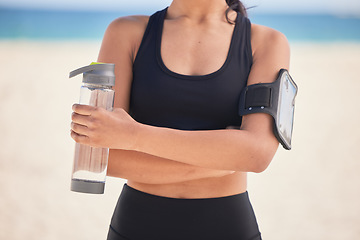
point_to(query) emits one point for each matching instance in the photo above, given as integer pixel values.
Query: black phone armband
(276, 99)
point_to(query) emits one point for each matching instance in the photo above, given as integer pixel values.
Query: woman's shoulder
(123, 36)
(271, 52)
(128, 25)
(265, 39)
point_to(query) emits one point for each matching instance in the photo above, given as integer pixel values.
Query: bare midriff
(202, 188)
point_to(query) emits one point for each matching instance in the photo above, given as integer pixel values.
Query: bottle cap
(97, 73)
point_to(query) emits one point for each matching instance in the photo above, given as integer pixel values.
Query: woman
(179, 74)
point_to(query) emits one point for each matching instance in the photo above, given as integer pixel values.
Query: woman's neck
(197, 10)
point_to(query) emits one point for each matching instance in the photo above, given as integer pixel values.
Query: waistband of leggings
(128, 190)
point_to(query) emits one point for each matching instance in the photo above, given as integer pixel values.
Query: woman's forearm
(145, 168)
(237, 150)
(218, 149)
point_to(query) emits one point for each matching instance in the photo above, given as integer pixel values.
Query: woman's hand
(98, 127)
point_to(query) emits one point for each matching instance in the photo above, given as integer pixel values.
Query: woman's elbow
(262, 158)
(261, 165)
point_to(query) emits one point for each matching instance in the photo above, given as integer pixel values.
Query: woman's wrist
(149, 139)
(137, 134)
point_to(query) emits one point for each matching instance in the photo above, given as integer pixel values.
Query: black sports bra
(163, 98)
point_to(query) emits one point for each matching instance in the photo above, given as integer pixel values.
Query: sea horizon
(54, 25)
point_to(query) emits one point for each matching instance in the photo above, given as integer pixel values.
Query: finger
(83, 109)
(79, 138)
(80, 119)
(79, 129)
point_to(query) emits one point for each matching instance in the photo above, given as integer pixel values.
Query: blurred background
(311, 192)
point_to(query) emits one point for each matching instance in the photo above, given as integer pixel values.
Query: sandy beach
(309, 193)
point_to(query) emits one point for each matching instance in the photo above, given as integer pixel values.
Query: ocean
(17, 24)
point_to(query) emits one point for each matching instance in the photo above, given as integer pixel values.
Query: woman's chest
(164, 100)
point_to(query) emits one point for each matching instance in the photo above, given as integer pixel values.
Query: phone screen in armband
(286, 105)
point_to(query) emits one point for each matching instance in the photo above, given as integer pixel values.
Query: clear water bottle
(90, 163)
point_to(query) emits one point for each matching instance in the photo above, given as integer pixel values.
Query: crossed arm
(161, 155)
(145, 168)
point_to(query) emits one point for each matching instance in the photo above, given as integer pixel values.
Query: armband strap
(258, 96)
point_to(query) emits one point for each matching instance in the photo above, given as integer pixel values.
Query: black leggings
(142, 216)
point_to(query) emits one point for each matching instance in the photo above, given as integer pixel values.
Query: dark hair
(237, 6)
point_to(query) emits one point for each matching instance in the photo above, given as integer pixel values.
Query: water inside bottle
(90, 163)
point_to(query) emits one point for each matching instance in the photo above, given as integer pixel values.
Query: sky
(344, 7)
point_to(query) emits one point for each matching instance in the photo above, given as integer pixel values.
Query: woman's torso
(189, 78)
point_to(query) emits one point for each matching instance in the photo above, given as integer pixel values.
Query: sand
(311, 192)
